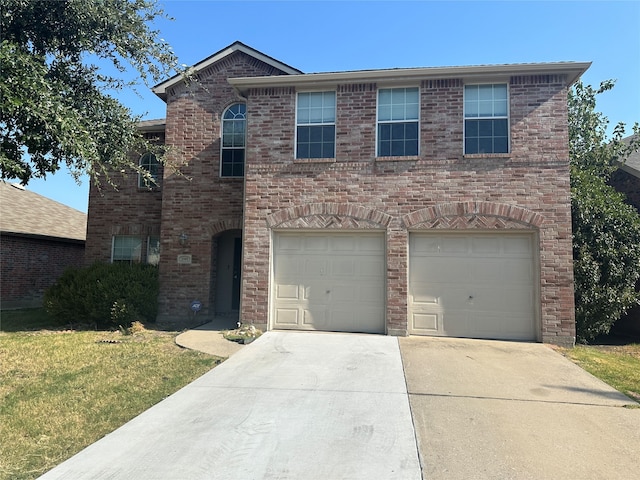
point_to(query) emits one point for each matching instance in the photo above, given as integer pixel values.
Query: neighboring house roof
(156, 125)
(632, 165)
(400, 76)
(161, 88)
(29, 214)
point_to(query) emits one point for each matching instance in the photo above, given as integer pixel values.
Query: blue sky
(339, 35)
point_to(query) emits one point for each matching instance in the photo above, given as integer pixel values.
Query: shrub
(109, 295)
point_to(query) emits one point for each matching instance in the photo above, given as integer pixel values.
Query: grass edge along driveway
(61, 390)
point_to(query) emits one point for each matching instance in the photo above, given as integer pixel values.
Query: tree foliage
(54, 109)
(606, 231)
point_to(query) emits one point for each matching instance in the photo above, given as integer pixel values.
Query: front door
(228, 256)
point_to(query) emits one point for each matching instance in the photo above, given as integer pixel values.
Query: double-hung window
(398, 121)
(316, 125)
(150, 163)
(234, 123)
(486, 118)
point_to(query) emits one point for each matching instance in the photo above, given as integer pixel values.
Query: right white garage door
(476, 286)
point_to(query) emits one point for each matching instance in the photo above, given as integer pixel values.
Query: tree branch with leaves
(54, 109)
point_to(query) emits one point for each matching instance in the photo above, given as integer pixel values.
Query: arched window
(150, 163)
(234, 123)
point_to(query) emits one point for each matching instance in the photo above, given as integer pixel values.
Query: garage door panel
(287, 316)
(474, 285)
(287, 292)
(340, 281)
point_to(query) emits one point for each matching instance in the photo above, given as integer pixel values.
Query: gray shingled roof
(27, 213)
(632, 165)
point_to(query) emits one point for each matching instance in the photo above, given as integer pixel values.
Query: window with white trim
(398, 122)
(316, 125)
(126, 249)
(234, 123)
(486, 118)
(150, 163)
(135, 249)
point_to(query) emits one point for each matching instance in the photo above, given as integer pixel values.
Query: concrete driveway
(296, 405)
(291, 405)
(504, 410)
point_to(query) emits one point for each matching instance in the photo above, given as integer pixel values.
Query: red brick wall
(199, 203)
(127, 210)
(472, 191)
(31, 265)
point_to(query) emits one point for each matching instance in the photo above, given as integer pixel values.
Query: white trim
(400, 76)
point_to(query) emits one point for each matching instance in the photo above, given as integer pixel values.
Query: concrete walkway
(302, 405)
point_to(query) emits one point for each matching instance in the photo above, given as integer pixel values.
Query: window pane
(501, 128)
(500, 108)
(471, 128)
(501, 145)
(127, 248)
(485, 145)
(153, 251)
(384, 113)
(471, 145)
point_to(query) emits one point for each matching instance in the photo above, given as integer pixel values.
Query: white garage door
(478, 286)
(329, 281)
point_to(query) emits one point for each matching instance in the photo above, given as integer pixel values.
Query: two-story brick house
(405, 201)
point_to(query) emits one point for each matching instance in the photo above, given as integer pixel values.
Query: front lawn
(618, 365)
(61, 390)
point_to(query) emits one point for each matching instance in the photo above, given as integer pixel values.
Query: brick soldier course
(440, 189)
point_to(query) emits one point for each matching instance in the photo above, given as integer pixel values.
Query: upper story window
(234, 123)
(398, 119)
(316, 125)
(486, 118)
(150, 163)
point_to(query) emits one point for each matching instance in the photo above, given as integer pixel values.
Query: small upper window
(234, 123)
(316, 125)
(150, 163)
(398, 118)
(486, 118)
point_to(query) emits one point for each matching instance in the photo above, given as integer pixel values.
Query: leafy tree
(606, 231)
(53, 105)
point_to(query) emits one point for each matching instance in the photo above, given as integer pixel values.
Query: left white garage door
(329, 281)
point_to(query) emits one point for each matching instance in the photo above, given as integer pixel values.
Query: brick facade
(30, 265)
(525, 190)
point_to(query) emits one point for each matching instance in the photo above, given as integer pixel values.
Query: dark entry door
(237, 265)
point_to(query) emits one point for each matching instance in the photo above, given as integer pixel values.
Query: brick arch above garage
(480, 215)
(329, 215)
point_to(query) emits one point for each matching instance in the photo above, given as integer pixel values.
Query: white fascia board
(480, 73)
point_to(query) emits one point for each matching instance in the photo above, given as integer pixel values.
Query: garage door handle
(328, 291)
(470, 297)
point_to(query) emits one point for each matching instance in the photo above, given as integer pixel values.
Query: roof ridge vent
(18, 186)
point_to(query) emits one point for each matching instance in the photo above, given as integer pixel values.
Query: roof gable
(27, 213)
(161, 88)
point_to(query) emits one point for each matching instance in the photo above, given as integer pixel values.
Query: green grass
(61, 390)
(619, 366)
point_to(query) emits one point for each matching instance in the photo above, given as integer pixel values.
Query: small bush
(108, 295)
